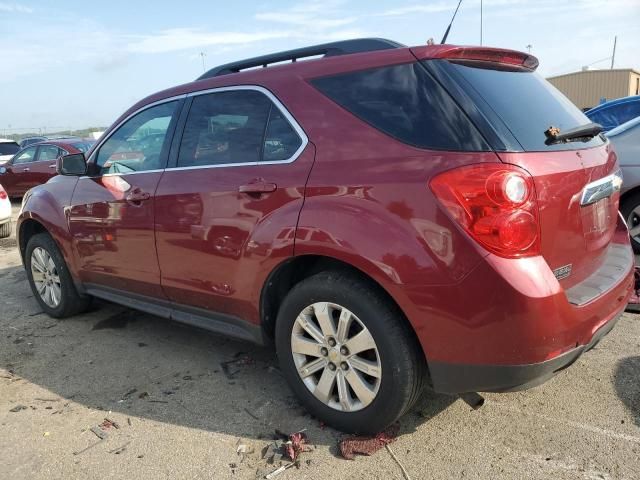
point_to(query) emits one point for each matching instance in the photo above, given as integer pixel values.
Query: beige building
(588, 87)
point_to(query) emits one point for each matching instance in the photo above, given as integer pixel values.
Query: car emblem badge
(563, 272)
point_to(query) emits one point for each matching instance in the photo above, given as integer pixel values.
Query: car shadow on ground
(627, 383)
(115, 359)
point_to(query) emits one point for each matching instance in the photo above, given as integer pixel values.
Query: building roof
(601, 70)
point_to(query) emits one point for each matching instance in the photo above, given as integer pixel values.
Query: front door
(18, 177)
(112, 210)
(227, 208)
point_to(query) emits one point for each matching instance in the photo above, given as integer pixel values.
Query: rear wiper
(583, 133)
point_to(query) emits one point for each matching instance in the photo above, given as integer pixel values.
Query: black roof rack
(343, 47)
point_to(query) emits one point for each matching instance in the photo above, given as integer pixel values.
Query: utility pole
(529, 47)
(202, 55)
(613, 57)
(480, 22)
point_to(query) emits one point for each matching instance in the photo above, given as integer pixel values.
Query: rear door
(236, 185)
(111, 218)
(520, 105)
(44, 166)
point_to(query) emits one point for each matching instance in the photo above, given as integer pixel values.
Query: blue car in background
(616, 112)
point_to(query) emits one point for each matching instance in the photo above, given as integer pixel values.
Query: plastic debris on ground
(361, 445)
(285, 447)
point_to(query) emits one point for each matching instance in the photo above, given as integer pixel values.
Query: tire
(401, 363)
(632, 219)
(5, 230)
(67, 300)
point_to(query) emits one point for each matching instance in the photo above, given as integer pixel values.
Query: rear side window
(48, 153)
(406, 103)
(525, 102)
(235, 127)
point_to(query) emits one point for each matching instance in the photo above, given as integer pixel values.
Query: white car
(8, 148)
(5, 214)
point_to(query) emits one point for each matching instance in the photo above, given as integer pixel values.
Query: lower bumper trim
(462, 378)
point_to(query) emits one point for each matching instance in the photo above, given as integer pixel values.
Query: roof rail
(343, 47)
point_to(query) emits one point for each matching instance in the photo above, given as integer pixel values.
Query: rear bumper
(460, 378)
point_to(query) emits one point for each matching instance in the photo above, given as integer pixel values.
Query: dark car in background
(615, 112)
(8, 148)
(36, 164)
(25, 142)
(385, 216)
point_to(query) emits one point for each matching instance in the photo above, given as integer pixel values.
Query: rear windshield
(8, 148)
(404, 102)
(526, 103)
(82, 146)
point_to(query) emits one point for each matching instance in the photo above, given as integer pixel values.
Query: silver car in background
(626, 140)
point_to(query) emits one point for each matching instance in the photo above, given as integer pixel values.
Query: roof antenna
(446, 33)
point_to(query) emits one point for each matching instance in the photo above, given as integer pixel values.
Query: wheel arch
(292, 271)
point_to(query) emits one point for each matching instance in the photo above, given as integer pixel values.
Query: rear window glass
(9, 148)
(82, 146)
(404, 102)
(526, 103)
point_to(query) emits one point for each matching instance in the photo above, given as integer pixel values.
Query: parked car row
(36, 164)
(387, 217)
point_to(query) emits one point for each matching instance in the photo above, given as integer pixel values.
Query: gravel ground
(181, 415)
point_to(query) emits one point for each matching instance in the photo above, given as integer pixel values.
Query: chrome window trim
(278, 104)
(124, 120)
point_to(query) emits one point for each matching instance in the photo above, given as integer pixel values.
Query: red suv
(387, 216)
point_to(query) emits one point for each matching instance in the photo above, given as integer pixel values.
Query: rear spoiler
(511, 58)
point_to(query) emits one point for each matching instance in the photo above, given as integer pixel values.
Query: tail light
(495, 204)
(3, 193)
(491, 55)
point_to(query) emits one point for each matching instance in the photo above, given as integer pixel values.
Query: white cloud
(304, 20)
(14, 8)
(185, 38)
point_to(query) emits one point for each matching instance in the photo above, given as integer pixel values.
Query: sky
(74, 64)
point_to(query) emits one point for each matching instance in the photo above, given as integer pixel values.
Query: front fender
(47, 205)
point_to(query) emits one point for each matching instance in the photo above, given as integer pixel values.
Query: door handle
(52, 166)
(258, 187)
(137, 195)
(26, 169)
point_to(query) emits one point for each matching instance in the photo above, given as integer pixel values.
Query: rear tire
(630, 210)
(50, 279)
(5, 230)
(344, 395)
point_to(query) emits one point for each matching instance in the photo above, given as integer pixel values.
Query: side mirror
(73, 165)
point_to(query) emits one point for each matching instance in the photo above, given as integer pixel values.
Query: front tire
(50, 280)
(348, 353)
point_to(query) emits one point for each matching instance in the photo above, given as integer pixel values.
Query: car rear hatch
(577, 182)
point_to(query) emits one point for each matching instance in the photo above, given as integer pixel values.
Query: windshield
(525, 102)
(9, 148)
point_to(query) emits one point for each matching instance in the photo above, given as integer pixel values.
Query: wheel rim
(633, 223)
(336, 356)
(45, 277)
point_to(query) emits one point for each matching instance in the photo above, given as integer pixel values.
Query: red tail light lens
(495, 204)
(3, 193)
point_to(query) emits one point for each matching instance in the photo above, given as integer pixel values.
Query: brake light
(491, 55)
(3, 193)
(495, 204)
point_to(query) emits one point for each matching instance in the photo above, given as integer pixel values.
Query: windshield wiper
(583, 133)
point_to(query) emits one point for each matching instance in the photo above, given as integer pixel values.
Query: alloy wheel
(45, 277)
(336, 356)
